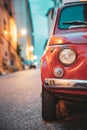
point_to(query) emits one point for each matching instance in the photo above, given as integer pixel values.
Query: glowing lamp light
(5, 32)
(35, 57)
(31, 48)
(35, 63)
(23, 32)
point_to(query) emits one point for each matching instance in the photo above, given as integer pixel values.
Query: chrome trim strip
(65, 83)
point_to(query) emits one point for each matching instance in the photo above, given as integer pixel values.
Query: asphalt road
(20, 105)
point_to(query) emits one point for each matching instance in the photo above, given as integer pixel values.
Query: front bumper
(65, 83)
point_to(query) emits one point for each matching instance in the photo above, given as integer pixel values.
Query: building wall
(51, 15)
(4, 29)
(0, 33)
(13, 33)
(67, 1)
(50, 19)
(23, 21)
(8, 32)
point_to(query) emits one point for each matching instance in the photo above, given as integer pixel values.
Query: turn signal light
(55, 40)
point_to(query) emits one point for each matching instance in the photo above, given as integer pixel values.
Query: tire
(48, 106)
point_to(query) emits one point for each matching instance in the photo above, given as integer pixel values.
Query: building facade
(8, 37)
(24, 22)
(51, 15)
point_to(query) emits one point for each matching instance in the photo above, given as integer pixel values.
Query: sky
(39, 9)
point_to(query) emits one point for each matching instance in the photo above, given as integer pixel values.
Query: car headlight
(67, 56)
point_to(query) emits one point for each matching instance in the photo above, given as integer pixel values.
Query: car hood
(74, 37)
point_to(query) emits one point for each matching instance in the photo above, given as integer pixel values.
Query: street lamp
(35, 57)
(31, 48)
(5, 32)
(22, 33)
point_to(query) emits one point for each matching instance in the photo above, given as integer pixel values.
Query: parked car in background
(28, 64)
(64, 62)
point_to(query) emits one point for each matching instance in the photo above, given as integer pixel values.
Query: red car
(64, 62)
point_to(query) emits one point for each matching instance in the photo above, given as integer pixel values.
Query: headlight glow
(67, 56)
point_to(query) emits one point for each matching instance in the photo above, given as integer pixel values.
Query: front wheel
(48, 106)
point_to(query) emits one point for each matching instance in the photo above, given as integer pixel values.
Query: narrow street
(20, 105)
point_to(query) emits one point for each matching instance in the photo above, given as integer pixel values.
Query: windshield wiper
(75, 22)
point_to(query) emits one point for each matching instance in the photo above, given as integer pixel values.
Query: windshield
(73, 16)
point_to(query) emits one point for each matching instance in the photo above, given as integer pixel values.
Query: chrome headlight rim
(67, 64)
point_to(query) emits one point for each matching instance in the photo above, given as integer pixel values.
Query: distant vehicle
(64, 62)
(28, 64)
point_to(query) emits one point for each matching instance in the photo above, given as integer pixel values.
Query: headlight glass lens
(67, 56)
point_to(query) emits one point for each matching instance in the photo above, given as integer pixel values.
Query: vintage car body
(64, 63)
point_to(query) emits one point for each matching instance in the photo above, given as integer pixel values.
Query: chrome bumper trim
(65, 83)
